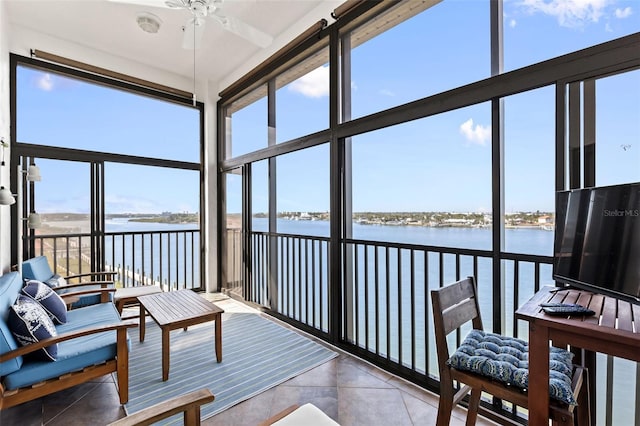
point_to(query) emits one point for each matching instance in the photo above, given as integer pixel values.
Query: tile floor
(349, 390)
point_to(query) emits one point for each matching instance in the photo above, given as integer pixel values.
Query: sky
(416, 166)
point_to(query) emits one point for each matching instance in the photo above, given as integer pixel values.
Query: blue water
(519, 240)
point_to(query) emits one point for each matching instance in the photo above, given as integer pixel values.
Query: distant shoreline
(523, 220)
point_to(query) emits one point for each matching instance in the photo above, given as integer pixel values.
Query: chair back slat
(456, 292)
(453, 306)
(458, 315)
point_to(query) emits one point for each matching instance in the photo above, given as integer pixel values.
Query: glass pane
(233, 236)
(61, 111)
(618, 129)
(303, 192)
(234, 199)
(441, 48)
(538, 30)
(63, 197)
(426, 182)
(302, 98)
(260, 196)
(152, 225)
(247, 124)
(529, 176)
(148, 198)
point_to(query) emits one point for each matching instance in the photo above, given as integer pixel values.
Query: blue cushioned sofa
(93, 342)
(37, 268)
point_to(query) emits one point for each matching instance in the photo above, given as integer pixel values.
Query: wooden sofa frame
(120, 365)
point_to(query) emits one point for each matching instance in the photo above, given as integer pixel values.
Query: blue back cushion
(10, 286)
(36, 268)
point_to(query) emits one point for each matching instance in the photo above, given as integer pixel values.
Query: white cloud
(386, 92)
(45, 82)
(569, 13)
(314, 84)
(512, 23)
(477, 134)
(623, 13)
(354, 86)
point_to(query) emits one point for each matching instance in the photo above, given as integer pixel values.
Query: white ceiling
(111, 27)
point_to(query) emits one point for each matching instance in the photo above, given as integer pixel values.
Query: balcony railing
(386, 311)
(167, 258)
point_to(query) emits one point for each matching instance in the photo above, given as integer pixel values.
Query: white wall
(210, 183)
(5, 221)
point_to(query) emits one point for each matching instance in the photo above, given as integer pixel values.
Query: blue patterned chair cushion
(506, 360)
(49, 299)
(30, 323)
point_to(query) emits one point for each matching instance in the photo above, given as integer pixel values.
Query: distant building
(544, 220)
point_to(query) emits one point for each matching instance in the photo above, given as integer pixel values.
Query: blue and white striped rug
(257, 354)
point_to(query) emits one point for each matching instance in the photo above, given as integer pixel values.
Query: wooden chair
(189, 404)
(456, 305)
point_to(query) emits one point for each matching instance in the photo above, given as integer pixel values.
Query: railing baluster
(313, 282)
(193, 260)
(388, 300)
(376, 296)
(299, 283)
(177, 268)
(399, 260)
(413, 310)
(151, 274)
(124, 272)
(184, 259)
(426, 312)
(133, 260)
(366, 292)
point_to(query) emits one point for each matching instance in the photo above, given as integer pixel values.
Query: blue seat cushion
(74, 354)
(506, 359)
(10, 285)
(30, 323)
(48, 299)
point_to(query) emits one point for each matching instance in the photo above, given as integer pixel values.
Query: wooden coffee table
(179, 309)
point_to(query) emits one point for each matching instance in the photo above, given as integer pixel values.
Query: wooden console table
(179, 309)
(609, 331)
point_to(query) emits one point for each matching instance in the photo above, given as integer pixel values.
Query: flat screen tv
(597, 240)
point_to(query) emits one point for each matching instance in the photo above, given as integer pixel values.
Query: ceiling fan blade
(193, 33)
(151, 3)
(244, 30)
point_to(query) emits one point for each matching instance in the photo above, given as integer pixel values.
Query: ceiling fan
(202, 10)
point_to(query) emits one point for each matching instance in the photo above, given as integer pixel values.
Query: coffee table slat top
(179, 307)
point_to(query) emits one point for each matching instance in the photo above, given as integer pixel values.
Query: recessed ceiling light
(148, 22)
